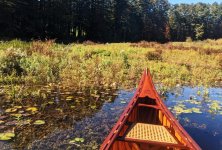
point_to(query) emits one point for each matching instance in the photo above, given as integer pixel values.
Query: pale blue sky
(193, 1)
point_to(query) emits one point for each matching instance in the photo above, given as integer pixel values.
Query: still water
(81, 120)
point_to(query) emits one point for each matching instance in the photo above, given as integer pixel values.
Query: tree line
(109, 20)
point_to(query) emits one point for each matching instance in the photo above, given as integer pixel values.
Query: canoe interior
(145, 112)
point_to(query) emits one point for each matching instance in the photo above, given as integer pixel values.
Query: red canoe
(147, 124)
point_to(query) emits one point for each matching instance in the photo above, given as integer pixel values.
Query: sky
(193, 1)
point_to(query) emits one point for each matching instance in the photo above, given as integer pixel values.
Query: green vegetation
(108, 65)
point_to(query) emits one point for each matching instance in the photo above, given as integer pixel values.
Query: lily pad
(39, 122)
(79, 140)
(93, 107)
(9, 110)
(123, 102)
(18, 107)
(196, 110)
(69, 98)
(32, 109)
(16, 115)
(6, 136)
(72, 106)
(215, 106)
(59, 109)
(95, 95)
(112, 108)
(50, 102)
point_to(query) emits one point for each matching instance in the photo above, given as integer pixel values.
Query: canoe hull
(147, 108)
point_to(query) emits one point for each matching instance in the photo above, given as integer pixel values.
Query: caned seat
(150, 133)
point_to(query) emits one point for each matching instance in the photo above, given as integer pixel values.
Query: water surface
(81, 120)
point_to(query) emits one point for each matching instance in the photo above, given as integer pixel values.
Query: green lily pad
(6, 136)
(72, 106)
(18, 107)
(215, 106)
(93, 107)
(16, 115)
(69, 98)
(112, 108)
(50, 102)
(196, 110)
(95, 95)
(79, 140)
(123, 102)
(32, 109)
(59, 109)
(39, 122)
(198, 92)
(9, 110)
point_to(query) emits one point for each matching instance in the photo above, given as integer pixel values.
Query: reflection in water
(81, 120)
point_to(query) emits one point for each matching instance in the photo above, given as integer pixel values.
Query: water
(82, 121)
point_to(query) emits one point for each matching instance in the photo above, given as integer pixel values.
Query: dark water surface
(82, 121)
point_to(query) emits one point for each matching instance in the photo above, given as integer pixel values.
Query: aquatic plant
(117, 65)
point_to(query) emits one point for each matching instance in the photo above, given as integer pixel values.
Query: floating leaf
(69, 98)
(79, 140)
(50, 102)
(6, 136)
(198, 92)
(72, 106)
(59, 109)
(16, 115)
(93, 107)
(39, 122)
(196, 110)
(32, 109)
(215, 106)
(72, 141)
(115, 94)
(18, 107)
(123, 102)
(79, 92)
(112, 108)
(95, 95)
(9, 110)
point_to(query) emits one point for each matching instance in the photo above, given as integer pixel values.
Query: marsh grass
(117, 65)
